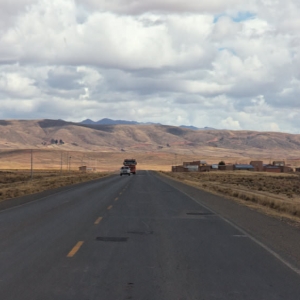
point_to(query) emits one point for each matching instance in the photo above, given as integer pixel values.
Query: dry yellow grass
(278, 193)
(102, 161)
(16, 184)
(112, 160)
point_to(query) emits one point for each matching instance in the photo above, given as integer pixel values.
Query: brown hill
(37, 134)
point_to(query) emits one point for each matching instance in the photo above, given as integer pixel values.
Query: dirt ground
(275, 193)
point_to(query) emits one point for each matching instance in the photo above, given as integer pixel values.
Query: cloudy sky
(231, 64)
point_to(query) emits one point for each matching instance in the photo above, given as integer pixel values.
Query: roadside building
(214, 167)
(204, 168)
(225, 167)
(191, 163)
(272, 169)
(192, 168)
(243, 167)
(258, 165)
(286, 169)
(278, 168)
(83, 169)
(195, 163)
(179, 169)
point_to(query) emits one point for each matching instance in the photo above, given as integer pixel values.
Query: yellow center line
(110, 207)
(75, 249)
(117, 199)
(120, 193)
(98, 220)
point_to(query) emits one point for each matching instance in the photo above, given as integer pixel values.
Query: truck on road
(131, 163)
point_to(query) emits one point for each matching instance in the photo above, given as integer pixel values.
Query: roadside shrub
(254, 199)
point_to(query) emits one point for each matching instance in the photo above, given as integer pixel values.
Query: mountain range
(107, 121)
(70, 136)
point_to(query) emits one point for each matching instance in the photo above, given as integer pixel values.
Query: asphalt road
(141, 237)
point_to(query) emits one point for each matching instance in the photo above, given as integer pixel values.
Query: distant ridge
(107, 121)
(208, 128)
(189, 127)
(196, 128)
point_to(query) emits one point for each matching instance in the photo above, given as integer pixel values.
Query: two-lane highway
(134, 237)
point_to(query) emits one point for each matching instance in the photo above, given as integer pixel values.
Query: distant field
(111, 161)
(72, 160)
(279, 193)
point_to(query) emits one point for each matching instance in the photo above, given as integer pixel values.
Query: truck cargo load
(131, 163)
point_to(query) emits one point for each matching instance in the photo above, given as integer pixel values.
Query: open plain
(61, 147)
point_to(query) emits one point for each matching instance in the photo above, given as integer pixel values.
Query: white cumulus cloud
(224, 64)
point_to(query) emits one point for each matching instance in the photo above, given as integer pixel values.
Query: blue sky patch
(243, 16)
(240, 17)
(227, 49)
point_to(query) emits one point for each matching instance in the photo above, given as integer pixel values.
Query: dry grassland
(105, 161)
(279, 193)
(15, 184)
(101, 161)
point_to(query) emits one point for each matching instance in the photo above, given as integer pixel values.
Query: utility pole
(70, 164)
(61, 159)
(31, 164)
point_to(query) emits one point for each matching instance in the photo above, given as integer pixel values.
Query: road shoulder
(10, 203)
(276, 234)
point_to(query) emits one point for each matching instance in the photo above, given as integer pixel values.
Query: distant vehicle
(125, 171)
(131, 163)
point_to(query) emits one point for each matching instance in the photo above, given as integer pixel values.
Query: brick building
(272, 169)
(225, 167)
(258, 165)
